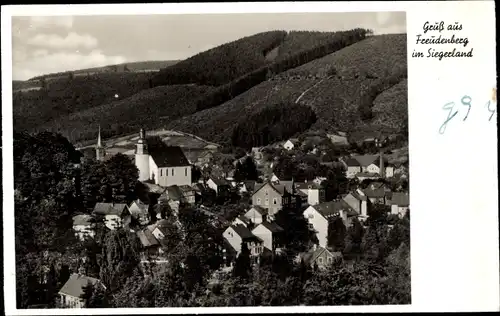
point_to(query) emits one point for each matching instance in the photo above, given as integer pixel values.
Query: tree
(335, 184)
(297, 236)
(95, 296)
(246, 170)
(242, 268)
(95, 184)
(336, 234)
(122, 177)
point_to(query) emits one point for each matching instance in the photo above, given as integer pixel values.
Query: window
(186, 172)
(330, 259)
(267, 192)
(172, 171)
(275, 201)
(310, 216)
(320, 260)
(267, 201)
(258, 201)
(161, 173)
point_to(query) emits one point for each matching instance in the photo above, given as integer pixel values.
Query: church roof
(170, 156)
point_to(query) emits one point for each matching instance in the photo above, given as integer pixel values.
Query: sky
(42, 45)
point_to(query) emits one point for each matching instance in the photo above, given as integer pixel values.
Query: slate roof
(273, 227)
(220, 181)
(400, 199)
(82, 220)
(244, 219)
(147, 238)
(76, 283)
(375, 193)
(332, 208)
(305, 185)
(109, 209)
(170, 156)
(244, 232)
(260, 209)
(142, 209)
(351, 162)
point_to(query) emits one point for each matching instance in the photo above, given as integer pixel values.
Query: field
(333, 86)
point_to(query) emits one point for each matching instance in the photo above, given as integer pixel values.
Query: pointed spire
(99, 143)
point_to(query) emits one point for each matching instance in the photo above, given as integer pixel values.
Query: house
(290, 144)
(84, 225)
(271, 234)
(247, 186)
(272, 197)
(319, 217)
(188, 194)
(400, 203)
(359, 202)
(236, 235)
(71, 293)
(319, 256)
(219, 185)
(150, 246)
(165, 167)
(139, 211)
(315, 193)
(319, 180)
(114, 214)
(274, 178)
(368, 166)
(179, 194)
(242, 220)
(376, 196)
(256, 214)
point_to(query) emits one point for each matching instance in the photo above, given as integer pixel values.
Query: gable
(267, 186)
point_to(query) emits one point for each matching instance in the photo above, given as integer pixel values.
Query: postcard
(250, 158)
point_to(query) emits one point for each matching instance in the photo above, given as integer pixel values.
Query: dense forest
(272, 124)
(224, 63)
(72, 94)
(152, 108)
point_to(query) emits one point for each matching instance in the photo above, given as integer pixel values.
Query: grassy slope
(151, 108)
(335, 99)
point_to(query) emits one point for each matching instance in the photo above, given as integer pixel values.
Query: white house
(290, 144)
(71, 293)
(271, 235)
(235, 235)
(256, 214)
(274, 178)
(84, 225)
(219, 185)
(165, 167)
(113, 213)
(315, 193)
(140, 212)
(320, 215)
(368, 166)
(400, 203)
(359, 202)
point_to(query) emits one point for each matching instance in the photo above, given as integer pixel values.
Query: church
(165, 167)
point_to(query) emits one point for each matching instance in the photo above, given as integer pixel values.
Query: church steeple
(142, 146)
(142, 157)
(99, 149)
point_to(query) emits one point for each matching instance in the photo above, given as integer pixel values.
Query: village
(371, 182)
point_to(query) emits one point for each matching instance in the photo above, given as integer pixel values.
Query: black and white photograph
(211, 160)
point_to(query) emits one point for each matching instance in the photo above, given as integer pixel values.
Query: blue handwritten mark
(466, 100)
(492, 111)
(448, 106)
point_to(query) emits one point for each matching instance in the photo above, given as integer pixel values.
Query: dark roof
(76, 283)
(351, 162)
(332, 208)
(244, 232)
(147, 238)
(83, 220)
(244, 219)
(357, 196)
(273, 227)
(170, 156)
(307, 185)
(280, 188)
(366, 160)
(260, 209)
(400, 199)
(109, 208)
(220, 181)
(375, 193)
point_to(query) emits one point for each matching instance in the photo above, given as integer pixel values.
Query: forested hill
(222, 73)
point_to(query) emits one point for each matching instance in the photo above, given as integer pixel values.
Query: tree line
(272, 124)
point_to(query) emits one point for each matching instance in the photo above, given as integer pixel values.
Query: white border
(454, 189)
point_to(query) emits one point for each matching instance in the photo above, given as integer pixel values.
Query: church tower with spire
(100, 152)
(142, 156)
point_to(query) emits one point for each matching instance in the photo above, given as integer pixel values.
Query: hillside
(149, 108)
(336, 87)
(68, 95)
(60, 109)
(139, 66)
